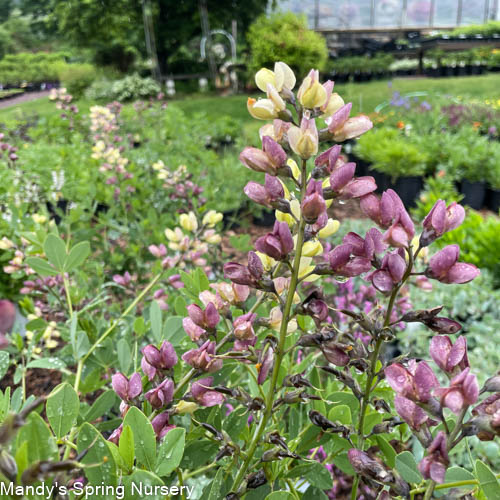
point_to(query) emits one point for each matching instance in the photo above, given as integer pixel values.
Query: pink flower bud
(257, 193)
(412, 414)
(161, 395)
(238, 273)
(451, 358)
(328, 157)
(440, 220)
(463, 392)
(274, 151)
(414, 383)
(255, 266)
(203, 358)
(127, 389)
(161, 425)
(7, 316)
(277, 244)
(266, 361)
(341, 176)
(202, 393)
(444, 267)
(256, 159)
(434, 465)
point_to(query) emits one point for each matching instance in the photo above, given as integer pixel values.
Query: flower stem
(280, 351)
(373, 364)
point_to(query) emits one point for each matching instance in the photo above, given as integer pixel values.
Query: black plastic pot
(474, 194)
(493, 199)
(408, 189)
(382, 180)
(58, 210)
(266, 219)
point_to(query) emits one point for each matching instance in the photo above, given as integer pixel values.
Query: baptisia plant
(292, 326)
(271, 376)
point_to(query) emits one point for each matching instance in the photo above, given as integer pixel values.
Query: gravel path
(27, 96)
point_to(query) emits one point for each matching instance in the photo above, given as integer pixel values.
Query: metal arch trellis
(230, 37)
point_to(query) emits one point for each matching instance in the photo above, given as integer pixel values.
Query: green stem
(429, 490)
(201, 470)
(373, 364)
(280, 351)
(444, 486)
(125, 313)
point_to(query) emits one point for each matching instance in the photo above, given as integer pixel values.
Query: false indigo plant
(290, 344)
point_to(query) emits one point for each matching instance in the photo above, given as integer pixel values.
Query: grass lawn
(365, 97)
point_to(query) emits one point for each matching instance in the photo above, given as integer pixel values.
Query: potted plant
(493, 178)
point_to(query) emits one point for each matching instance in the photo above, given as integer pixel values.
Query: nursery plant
(267, 377)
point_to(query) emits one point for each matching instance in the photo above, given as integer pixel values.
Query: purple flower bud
(312, 207)
(257, 193)
(203, 358)
(334, 354)
(274, 187)
(414, 383)
(202, 393)
(238, 273)
(149, 371)
(127, 389)
(116, 434)
(444, 267)
(463, 392)
(194, 331)
(344, 264)
(487, 417)
(161, 395)
(434, 465)
(412, 414)
(274, 151)
(366, 466)
(256, 159)
(120, 385)
(451, 358)
(7, 316)
(152, 355)
(161, 425)
(328, 157)
(196, 314)
(440, 220)
(341, 176)
(443, 325)
(277, 244)
(212, 316)
(358, 188)
(159, 251)
(255, 266)
(337, 120)
(243, 327)
(266, 361)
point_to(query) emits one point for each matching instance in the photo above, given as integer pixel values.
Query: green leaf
(77, 255)
(55, 250)
(139, 326)
(407, 467)
(489, 483)
(155, 317)
(124, 355)
(387, 450)
(126, 446)
(342, 462)
(142, 479)
(345, 398)
(280, 495)
(315, 473)
(41, 266)
(4, 363)
(341, 414)
(171, 451)
(180, 306)
(144, 437)
(22, 460)
(89, 438)
(101, 405)
(313, 493)
(453, 475)
(47, 363)
(173, 330)
(41, 442)
(62, 408)
(213, 490)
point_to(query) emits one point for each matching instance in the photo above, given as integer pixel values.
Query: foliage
(488, 29)
(130, 88)
(391, 153)
(379, 63)
(77, 77)
(285, 37)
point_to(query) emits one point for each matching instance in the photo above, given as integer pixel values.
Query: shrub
(77, 77)
(126, 89)
(285, 37)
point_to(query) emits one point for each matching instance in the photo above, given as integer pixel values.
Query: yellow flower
(176, 235)
(275, 317)
(295, 169)
(6, 244)
(39, 219)
(158, 165)
(312, 248)
(263, 109)
(295, 209)
(311, 93)
(275, 98)
(185, 407)
(267, 262)
(332, 226)
(307, 266)
(334, 104)
(210, 236)
(188, 221)
(304, 140)
(211, 218)
(281, 77)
